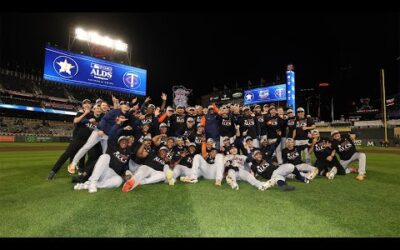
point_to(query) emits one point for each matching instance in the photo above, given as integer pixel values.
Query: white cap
(289, 111)
(190, 119)
(123, 138)
(300, 109)
(248, 138)
(334, 132)
(210, 140)
(163, 125)
(163, 148)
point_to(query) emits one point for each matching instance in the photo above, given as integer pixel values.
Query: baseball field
(31, 206)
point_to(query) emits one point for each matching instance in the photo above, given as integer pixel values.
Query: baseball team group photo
(199, 124)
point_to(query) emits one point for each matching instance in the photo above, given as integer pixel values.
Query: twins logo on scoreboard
(279, 93)
(65, 66)
(131, 80)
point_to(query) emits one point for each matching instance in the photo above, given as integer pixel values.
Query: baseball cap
(192, 144)
(179, 107)
(210, 140)
(248, 138)
(147, 138)
(300, 109)
(334, 132)
(272, 107)
(233, 145)
(163, 148)
(123, 138)
(289, 111)
(99, 100)
(256, 152)
(86, 101)
(170, 109)
(225, 138)
(191, 108)
(124, 103)
(190, 119)
(257, 106)
(246, 108)
(266, 106)
(163, 125)
(151, 106)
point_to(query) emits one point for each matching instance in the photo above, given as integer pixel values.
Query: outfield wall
(33, 138)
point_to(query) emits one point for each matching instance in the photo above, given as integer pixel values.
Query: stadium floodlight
(94, 37)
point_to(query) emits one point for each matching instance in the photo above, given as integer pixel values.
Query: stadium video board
(265, 94)
(69, 68)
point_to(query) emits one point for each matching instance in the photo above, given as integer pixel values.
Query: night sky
(199, 49)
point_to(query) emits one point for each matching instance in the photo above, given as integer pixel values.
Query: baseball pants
(244, 176)
(94, 138)
(361, 163)
(104, 176)
(209, 171)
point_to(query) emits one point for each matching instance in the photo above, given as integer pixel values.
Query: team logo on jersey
(65, 66)
(261, 168)
(293, 155)
(121, 157)
(249, 122)
(344, 146)
(180, 119)
(226, 123)
(131, 80)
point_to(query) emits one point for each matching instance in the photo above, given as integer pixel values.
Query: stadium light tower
(99, 45)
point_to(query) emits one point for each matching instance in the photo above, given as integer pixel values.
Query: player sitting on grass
(182, 165)
(345, 148)
(111, 165)
(209, 164)
(234, 164)
(327, 163)
(270, 170)
(292, 155)
(154, 169)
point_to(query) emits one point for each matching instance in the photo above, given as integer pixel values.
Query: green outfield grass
(32, 206)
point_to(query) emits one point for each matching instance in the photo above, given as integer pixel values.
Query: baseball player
(270, 170)
(182, 165)
(274, 124)
(111, 165)
(153, 170)
(292, 155)
(234, 164)
(100, 133)
(345, 148)
(209, 164)
(85, 122)
(300, 134)
(249, 126)
(327, 164)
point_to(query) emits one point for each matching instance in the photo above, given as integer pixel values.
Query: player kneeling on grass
(292, 155)
(234, 164)
(154, 169)
(209, 164)
(182, 165)
(345, 148)
(327, 163)
(274, 173)
(111, 165)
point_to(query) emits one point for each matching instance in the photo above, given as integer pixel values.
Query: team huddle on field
(132, 145)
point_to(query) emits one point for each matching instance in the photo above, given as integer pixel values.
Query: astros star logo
(65, 66)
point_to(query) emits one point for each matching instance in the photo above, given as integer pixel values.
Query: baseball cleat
(187, 179)
(51, 175)
(331, 174)
(71, 168)
(313, 174)
(92, 188)
(360, 177)
(128, 185)
(218, 183)
(353, 169)
(170, 177)
(232, 183)
(266, 185)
